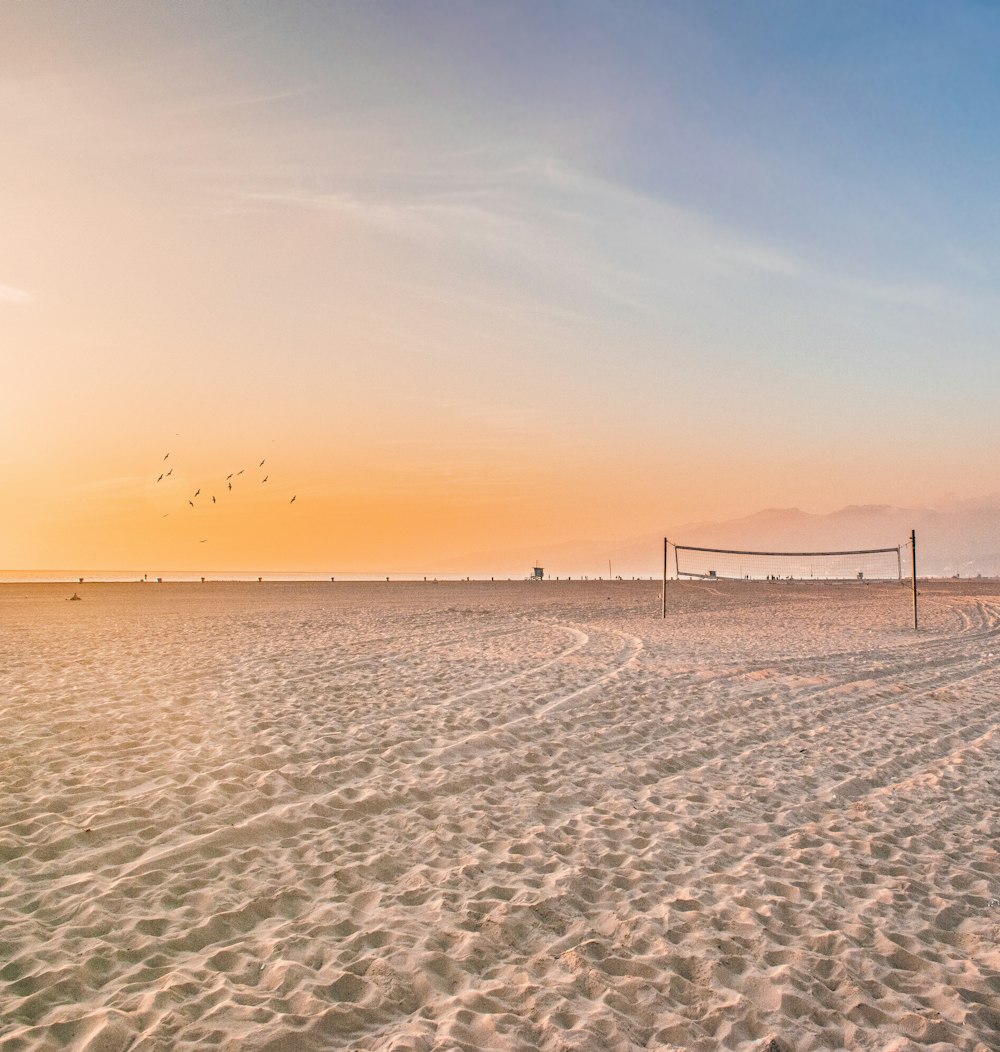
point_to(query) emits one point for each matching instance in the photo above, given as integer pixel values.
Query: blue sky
(519, 259)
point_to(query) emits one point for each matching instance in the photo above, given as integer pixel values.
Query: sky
(471, 278)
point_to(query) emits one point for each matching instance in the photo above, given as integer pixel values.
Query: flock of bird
(164, 475)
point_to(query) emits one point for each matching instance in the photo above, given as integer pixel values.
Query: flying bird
(265, 478)
(261, 464)
(170, 472)
(229, 476)
(240, 472)
(191, 502)
(292, 501)
(167, 456)
(213, 500)
(161, 476)
(197, 491)
(205, 541)
(229, 484)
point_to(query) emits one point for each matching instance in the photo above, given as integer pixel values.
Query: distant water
(151, 576)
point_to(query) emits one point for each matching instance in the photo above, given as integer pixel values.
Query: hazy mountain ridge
(955, 537)
(963, 537)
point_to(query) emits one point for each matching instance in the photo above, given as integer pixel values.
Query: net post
(663, 595)
(913, 556)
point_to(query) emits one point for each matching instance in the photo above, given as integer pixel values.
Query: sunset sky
(471, 277)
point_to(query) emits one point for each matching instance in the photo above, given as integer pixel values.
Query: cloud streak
(10, 294)
(234, 101)
(546, 215)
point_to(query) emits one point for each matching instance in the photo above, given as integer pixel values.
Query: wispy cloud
(757, 258)
(237, 100)
(545, 213)
(10, 294)
(542, 224)
(409, 218)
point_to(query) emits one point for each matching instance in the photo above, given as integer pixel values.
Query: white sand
(507, 816)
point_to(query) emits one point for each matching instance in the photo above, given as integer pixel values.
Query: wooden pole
(913, 554)
(663, 598)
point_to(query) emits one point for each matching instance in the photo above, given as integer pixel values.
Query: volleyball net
(860, 564)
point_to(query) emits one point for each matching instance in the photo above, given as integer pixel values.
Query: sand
(499, 816)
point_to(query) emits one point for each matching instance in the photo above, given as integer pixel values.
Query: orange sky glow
(467, 306)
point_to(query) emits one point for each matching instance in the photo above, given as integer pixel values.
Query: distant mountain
(955, 537)
(961, 538)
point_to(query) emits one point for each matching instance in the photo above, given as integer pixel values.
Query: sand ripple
(508, 816)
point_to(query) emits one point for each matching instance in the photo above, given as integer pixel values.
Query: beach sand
(499, 816)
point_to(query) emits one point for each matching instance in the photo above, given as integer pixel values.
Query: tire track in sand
(283, 821)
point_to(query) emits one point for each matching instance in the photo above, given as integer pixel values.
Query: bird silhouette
(265, 478)
(240, 472)
(229, 476)
(213, 500)
(229, 484)
(167, 456)
(205, 541)
(160, 478)
(292, 501)
(191, 502)
(197, 491)
(261, 464)
(170, 472)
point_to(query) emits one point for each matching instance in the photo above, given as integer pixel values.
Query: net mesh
(871, 564)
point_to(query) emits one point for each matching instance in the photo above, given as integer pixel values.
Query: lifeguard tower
(537, 573)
